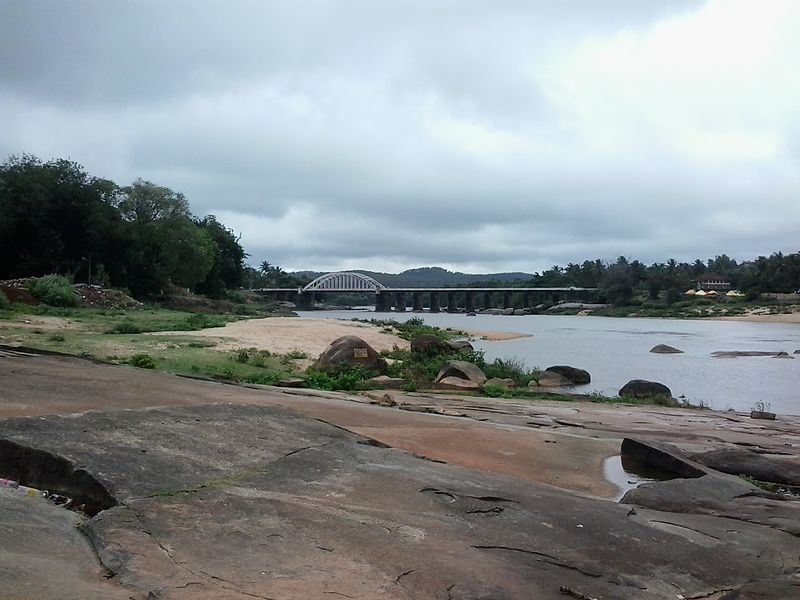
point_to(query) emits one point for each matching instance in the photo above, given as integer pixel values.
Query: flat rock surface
(42, 553)
(229, 501)
(225, 493)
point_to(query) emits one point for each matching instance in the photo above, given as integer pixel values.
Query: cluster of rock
(510, 311)
(665, 349)
(464, 376)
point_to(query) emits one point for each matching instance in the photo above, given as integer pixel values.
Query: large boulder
(350, 350)
(463, 370)
(641, 388)
(457, 384)
(738, 461)
(575, 375)
(428, 344)
(549, 379)
(458, 345)
(664, 349)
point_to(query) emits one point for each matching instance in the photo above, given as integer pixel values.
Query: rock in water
(575, 375)
(664, 349)
(350, 350)
(641, 388)
(738, 353)
(551, 380)
(463, 370)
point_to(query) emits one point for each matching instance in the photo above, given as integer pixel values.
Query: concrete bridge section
(433, 299)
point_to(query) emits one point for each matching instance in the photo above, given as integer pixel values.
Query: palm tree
(265, 267)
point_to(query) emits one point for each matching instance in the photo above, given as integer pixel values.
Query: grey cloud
(458, 132)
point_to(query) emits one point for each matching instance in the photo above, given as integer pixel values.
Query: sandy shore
(763, 318)
(284, 334)
(280, 335)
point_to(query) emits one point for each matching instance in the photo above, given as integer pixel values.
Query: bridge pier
(451, 302)
(434, 302)
(507, 300)
(305, 301)
(383, 302)
(400, 301)
(416, 301)
(526, 300)
(469, 302)
(487, 300)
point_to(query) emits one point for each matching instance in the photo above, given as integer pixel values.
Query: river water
(616, 350)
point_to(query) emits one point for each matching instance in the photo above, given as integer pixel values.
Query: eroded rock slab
(240, 501)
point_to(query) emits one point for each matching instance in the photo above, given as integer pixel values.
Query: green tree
(227, 268)
(55, 218)
(617, 285)
(165, 246)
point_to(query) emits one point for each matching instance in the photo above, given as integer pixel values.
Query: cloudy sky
(387, 134)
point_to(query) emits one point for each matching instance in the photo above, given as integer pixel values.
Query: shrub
(344, 377)
(494, 391)
(125, 327)
(57, 337)
(4, 303)
(54, 290)
(673, 296)
(203, 321)
(143, 361)
(510, 368)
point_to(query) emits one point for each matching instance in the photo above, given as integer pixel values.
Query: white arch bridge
(451, 299)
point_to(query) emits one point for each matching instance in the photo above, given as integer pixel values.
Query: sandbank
(496, 336)
(763, 318)
(280, 335)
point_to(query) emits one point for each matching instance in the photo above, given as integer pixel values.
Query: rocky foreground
(190, 489)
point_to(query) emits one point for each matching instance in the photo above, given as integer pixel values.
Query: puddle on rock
(627, 474)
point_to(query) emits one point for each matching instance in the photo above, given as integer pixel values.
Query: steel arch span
(346, 281)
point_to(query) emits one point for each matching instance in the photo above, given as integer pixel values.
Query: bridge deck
(441, 290)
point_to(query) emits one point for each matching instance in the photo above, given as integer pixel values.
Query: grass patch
(412, 328)
(126, 327)
(344, 377)
(84, 334)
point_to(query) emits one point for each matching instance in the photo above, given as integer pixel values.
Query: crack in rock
(545, 558)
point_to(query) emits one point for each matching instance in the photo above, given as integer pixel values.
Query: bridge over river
(434, 299)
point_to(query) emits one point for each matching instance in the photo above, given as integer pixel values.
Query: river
(615, 350)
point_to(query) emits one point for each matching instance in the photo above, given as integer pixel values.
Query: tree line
(620, 280)
(56, 218)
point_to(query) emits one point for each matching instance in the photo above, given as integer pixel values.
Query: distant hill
(430, 277)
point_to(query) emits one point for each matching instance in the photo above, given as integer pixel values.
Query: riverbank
(758, 317)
